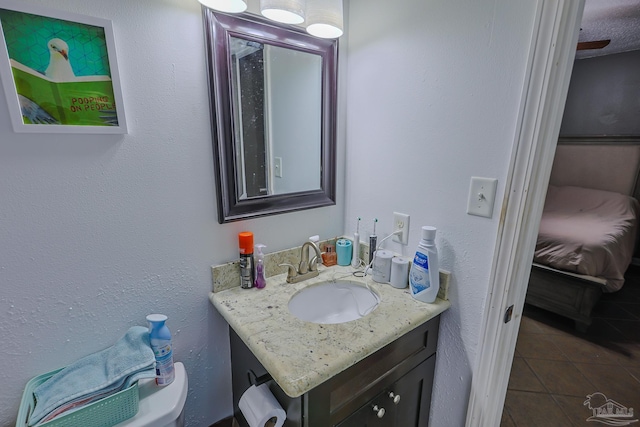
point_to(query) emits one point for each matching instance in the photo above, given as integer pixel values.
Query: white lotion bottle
(424, 276)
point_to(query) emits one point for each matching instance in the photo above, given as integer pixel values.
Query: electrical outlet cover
(401, 221)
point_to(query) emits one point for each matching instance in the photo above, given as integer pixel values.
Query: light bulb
(228, 6)
(285, 11)
(324, 18)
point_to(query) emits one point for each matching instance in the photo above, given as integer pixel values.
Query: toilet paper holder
(257, 380)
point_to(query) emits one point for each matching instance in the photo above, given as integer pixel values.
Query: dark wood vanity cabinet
(389, 388)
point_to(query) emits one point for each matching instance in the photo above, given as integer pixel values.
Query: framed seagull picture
(59, 71)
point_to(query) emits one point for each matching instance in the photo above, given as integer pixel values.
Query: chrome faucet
(307, 268)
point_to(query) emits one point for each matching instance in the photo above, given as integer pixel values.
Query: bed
(588, 230)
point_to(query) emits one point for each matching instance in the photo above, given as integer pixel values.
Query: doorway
(531, 171)
(551, 60)
(557, 367)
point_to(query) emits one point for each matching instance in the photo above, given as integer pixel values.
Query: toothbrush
(373, 240)
(355, 259)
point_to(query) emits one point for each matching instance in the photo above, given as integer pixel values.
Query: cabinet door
(414, 391)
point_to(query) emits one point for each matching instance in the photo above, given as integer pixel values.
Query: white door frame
(551, 57)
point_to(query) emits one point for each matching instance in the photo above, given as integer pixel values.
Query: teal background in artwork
(27, 36)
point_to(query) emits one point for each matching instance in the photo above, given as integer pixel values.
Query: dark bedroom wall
(604, 96)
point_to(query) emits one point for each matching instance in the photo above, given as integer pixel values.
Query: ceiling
(617, 20)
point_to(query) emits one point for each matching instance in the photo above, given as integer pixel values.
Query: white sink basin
(333, 302)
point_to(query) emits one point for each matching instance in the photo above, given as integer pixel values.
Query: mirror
(273, 106)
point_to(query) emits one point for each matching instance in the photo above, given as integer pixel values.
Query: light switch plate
(482, 195)
(278, 167)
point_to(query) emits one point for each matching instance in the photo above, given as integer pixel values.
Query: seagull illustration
(59, 68)
(34, 112)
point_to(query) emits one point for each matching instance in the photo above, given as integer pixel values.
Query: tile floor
(556, 367)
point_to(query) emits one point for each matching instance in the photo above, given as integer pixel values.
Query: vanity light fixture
(285, 11)
(324, 18)
(228, 6)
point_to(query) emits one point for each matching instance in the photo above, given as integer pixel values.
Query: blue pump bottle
(160, 339)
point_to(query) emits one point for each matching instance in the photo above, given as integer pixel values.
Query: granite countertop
(301, 355)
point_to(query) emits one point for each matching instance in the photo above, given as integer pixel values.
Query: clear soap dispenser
(260, 281)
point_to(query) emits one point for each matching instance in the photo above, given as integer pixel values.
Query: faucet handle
(291, 272)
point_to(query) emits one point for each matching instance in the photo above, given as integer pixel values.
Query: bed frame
(603, 163)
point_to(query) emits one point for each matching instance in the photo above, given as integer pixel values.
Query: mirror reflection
(277, 104)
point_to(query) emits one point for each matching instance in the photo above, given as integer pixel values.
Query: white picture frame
(59, 71)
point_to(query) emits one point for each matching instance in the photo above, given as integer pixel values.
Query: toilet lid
(160, 405)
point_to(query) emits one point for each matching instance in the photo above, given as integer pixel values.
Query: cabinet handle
(394, 397)
(379, 411)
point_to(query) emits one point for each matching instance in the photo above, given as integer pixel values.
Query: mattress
(590, 232)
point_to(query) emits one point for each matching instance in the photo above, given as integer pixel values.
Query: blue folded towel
(107, 371)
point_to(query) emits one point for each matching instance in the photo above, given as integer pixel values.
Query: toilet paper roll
(382, 266)
(399, 272)
(260, 408)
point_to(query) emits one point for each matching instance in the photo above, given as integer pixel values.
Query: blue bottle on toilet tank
(160, 339)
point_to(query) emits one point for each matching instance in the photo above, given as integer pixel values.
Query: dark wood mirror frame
(219, 27)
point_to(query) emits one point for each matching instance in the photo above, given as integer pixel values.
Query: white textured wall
(98, 231)
(434, 89)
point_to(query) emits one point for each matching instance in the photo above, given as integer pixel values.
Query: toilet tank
(161, 406)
